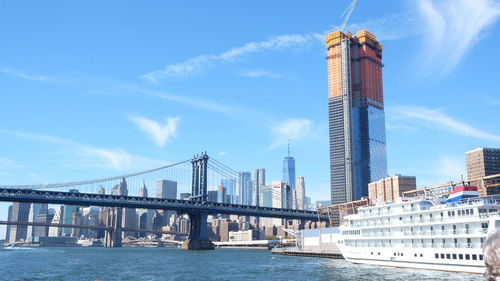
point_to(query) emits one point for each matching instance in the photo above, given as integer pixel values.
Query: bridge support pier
(113, 238)
(198, 233)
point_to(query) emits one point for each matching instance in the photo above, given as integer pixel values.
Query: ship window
(467, 256)
(454, 256)
(481, 257)
(371, 253)
(415, 255)
(472, 211)
(474, 257)
(467, 212)
(448, 256)
(436, 255)
(394, 254)
(484, 225)
(441, 214)
(449, 214)
(442, 256)
(432, 228)
(430, 215)
(421, 255)
(400, 218)
(401, 254)
(379, 253)
(461, 256)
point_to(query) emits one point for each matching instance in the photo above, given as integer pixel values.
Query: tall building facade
(482, 162)
(301, 193)
(166, 189)
(289, 170)
(230, 185)
(356, 114)
(20, 212)
(259, 181)
(245, 188)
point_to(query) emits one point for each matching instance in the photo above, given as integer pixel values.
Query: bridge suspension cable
(78, 183)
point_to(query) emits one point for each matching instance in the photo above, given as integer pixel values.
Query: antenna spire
(288, 147)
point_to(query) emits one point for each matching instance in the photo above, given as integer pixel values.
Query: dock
(293, 251)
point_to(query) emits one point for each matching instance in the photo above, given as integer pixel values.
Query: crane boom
(347, 13)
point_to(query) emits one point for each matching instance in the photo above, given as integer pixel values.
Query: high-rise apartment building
(230, 185)
(482, 162)
(166, 189)
(301, 193)
(245, 188)
(356, 114)
(258, 180)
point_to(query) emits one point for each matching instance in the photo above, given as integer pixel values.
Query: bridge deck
(182, 206)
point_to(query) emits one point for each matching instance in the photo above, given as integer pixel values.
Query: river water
(175, 264)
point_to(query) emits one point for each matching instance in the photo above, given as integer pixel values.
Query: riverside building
(356, 114)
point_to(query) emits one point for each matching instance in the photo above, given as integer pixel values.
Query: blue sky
(97, 89)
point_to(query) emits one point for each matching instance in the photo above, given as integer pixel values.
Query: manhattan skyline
(104, 90)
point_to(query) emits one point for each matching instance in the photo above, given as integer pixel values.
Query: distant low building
(391, 188)
(246, 235)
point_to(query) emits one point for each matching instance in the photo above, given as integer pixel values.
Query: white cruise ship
(422, 233)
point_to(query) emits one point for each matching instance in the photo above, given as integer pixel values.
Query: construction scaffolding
(488, 185)
(337, 212)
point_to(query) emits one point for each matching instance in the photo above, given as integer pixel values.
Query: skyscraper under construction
(356, 114)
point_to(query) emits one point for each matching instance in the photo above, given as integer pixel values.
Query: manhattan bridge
(196, 177)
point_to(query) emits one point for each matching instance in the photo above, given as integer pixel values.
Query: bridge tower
(198, 232)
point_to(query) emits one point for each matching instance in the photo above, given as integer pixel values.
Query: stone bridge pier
(113, 237)
(198, 233)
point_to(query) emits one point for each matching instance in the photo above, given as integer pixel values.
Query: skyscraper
(301, 193)
(20, 212)
(289, 169)
(166, 189)
(258, 180)
(230, 185)
(245, 188)
(356, 114)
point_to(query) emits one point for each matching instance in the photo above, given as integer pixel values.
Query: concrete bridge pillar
(113, 237)
(198, 233)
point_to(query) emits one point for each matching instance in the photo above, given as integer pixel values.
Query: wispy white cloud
(31, 77)
(158, 132)
(292, 129)
(222, 153)
(193, 101)
(452, 28)
(89, 156)
(260, 73)
(232, 55)
(435, 118)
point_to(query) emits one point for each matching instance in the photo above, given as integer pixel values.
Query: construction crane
(347, 13)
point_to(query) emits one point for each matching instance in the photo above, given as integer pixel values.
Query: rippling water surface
(176, 264)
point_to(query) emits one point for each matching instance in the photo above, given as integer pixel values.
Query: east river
(175, 264)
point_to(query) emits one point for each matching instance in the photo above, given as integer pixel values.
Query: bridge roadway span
(182, 206)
